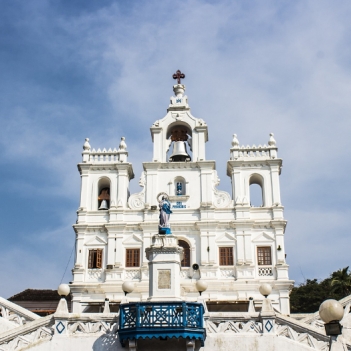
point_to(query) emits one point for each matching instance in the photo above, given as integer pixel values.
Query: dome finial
(86, 146)
(271, 141)
(122, 144)
(235, 141)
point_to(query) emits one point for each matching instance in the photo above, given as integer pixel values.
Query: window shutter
(128, 258)
(186, 259)
(137, 257)
(230, 256)
(132, 257)
(91, 259)
(226, 256)
(99, 258)
(264, 256)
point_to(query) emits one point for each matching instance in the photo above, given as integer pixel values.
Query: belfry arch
(256, 190)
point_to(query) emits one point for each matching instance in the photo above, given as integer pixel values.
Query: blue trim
(166, 320)
(60, 327)
(164, 230)
(268, 326)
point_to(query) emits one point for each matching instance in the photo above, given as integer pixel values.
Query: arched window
(179, 186)
(104, 194)
(186, 259)
(256, 191)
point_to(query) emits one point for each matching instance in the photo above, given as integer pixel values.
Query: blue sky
(102, 69)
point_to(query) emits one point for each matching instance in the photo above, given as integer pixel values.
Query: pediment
(263, 237)
(96, 241)
(225, 237)
(179, 115)
(132, 240)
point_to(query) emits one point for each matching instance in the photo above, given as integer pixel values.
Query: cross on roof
(178, 75)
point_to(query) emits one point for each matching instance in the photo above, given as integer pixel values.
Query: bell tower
(180, 129)
(179, 149)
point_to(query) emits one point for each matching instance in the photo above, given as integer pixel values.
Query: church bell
(103, 205)
(104, 197)
(179, 153)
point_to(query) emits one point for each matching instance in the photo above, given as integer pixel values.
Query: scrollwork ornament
(222, 199)
(137, 201)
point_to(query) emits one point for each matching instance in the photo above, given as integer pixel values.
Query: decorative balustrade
(165, 320)
(96, 324)
(96, 275)
(285, 328)
(265, 271)
(131, 274)
(104, 156)
(260, 152)
(43, 329)
(33, 332)
(161, 320)
(227, 273)
(15, 313)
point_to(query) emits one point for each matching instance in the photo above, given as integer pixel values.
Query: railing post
(121, 318)
(184, 314)
(201, 314)
(137, 322)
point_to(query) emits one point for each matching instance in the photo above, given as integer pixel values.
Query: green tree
(307, 297)
(341, 281)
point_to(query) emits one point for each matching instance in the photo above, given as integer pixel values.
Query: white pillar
(164, 257)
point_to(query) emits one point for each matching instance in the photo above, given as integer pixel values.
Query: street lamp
(331, 313)
(201, 286)
(127, 287)
(265, 289)
(63, 290)
(62, 307)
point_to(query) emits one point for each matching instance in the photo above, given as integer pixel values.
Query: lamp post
(63, 290)
(267, 314)
(331, 313)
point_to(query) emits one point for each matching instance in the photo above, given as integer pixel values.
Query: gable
(226, 238)
(96, 241)
(263, 237)
(132, 239)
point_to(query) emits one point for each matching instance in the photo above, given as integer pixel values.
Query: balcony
(161, 320)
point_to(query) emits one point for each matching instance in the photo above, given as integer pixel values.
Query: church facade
(180, 265)
(227, 242)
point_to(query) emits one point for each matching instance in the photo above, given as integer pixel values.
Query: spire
(179, 101)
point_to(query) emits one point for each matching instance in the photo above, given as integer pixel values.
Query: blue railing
(161, 320)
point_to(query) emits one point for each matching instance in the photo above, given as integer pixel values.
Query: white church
(180, 264)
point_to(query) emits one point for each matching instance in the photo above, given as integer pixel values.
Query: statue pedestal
(164, 257)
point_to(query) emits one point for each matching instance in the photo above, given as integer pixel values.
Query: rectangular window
(226, 256)
(132, 257)
(95, 258)
(264, 256)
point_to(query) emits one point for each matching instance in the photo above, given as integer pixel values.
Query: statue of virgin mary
(165, 212)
